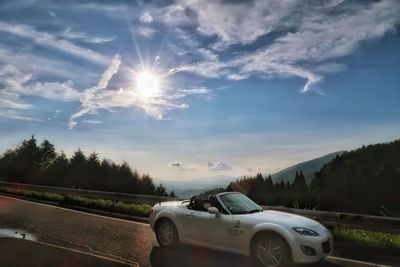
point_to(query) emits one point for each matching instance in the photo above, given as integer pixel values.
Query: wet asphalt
(126, 242)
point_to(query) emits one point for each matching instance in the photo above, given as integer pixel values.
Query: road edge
(333, 259)
(78, 208)
(352, 263)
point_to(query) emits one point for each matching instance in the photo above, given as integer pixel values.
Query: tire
(166, 233)
(270, 250)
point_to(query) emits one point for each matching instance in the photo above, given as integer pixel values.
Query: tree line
(33, 163)
(263, 191)
(366, 180)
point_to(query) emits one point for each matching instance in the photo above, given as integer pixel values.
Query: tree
(58, 171)
(147, 185)
(27, 161)
(47, 154)
(161, 191)
(172, 193)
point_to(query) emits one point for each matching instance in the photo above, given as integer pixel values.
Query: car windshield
(239, 204)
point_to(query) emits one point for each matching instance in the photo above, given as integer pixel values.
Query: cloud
(219, 166)
(305, 41)
(226, 20)
(102, 97)
(11, 77)
(213, 166)
(42, 65)
(14, 83)
(9, 114)
(182, 93)
(7, 103)
(48, 40)
(278, 39)
(69, 33)
(88, 95)
(182, 167)
(146, 18)
(175, 164)
(146, 31)
(92, 122)
(61, 91)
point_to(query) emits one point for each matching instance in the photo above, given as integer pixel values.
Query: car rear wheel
(271, 250)
(166, 234)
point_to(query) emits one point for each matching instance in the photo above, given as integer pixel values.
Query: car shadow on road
(192, 256)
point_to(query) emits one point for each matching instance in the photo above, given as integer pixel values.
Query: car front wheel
(166, 234)
(271, 250)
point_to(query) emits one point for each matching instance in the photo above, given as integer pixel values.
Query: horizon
(180, 93)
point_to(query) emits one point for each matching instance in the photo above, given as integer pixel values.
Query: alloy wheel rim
(269, 252)
(166, 234)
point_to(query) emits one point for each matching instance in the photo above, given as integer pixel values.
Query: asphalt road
(130, 242)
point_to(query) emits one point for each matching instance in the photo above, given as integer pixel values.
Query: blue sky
(191, 89)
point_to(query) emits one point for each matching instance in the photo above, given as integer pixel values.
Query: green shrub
(375, 239)
(101, 204)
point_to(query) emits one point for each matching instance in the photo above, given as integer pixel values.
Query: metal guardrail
(327, 218)
(115, 196)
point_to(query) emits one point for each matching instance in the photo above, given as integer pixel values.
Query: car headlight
(305, 231)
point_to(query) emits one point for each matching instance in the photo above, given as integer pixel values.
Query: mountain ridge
(309, 168)
(195, 186)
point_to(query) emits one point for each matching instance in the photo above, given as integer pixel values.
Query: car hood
(278, 217)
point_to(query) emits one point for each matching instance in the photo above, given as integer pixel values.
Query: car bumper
(320, 247)
(152, 220)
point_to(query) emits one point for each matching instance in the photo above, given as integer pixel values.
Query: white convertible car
(232, 222)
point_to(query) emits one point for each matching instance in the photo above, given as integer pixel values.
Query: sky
(189, 89)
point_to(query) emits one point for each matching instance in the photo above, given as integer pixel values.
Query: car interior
(199, 203)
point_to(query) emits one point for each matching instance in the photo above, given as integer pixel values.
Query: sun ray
(147, 84)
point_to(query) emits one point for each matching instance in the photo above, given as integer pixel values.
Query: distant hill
(309, 168)
(363, 180)
(190, 187)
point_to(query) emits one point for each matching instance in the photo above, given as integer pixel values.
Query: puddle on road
(16, 233)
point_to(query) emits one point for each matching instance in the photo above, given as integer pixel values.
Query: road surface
(125, 241)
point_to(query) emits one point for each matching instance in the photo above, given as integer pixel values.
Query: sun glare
(147, 84)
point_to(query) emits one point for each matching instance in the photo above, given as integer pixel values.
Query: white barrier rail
(328, 218)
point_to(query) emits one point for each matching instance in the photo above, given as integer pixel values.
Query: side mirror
(213, 210)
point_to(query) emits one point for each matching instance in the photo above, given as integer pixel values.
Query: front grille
(326, 247)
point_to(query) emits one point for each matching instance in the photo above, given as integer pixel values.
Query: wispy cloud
(16, 83)
(69, 33)
(175, 164)
(42, 65)
(306, 40)
(182, 93)
(183, 167)
(87, 98)
(225, 19)
(102, 97)
(9, 114)
(48, 40)
(92, 122)
(12, 78)
(146, 18)
(219, 166)
(209, 166)
(146, 31)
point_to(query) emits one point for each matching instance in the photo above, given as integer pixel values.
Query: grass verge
(369, 238)
(142, 210)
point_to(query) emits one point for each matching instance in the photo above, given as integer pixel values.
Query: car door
(203, 228)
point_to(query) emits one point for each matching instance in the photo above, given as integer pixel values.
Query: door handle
(189, 214)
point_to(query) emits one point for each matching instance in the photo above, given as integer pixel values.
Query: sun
(148, 84)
